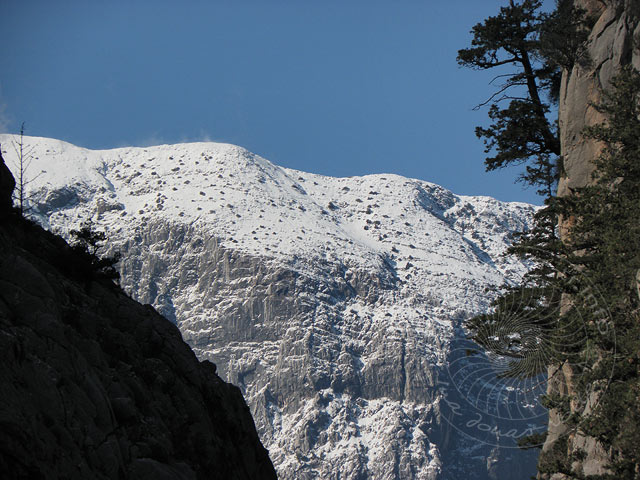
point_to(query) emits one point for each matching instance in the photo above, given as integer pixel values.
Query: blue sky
(332, 87)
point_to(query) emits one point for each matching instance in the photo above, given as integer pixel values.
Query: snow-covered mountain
(334, 303)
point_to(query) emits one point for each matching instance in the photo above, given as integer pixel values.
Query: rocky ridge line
(335, 304)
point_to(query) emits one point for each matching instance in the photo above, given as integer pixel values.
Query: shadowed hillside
(96, 385)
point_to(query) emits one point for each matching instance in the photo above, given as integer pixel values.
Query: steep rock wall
(614, 41)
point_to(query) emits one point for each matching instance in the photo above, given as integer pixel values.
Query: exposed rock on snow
(334, 303)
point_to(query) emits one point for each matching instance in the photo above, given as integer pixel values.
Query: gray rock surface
(613, 42)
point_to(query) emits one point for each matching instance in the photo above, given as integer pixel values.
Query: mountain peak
(335, 304)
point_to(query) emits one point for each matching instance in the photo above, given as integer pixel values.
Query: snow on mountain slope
(334, 303)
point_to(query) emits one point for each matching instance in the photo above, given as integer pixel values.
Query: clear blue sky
(334, 87)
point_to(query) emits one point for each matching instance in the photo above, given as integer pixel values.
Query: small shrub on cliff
(87, 261)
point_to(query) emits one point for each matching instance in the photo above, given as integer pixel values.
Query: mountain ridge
(334, 303)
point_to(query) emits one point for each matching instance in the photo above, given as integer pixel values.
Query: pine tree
(535, 323)
(536, 46)
(520, 133)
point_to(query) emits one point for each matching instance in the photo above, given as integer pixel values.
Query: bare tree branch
(24, 158)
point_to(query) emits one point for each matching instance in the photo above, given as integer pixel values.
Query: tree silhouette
(24, 157)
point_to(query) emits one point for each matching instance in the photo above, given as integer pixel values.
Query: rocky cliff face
(335, 304)
(96, 385)
(614, 41)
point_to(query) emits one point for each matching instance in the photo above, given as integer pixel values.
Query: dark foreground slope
(95, 385)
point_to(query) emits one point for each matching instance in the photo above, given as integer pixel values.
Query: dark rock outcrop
(96, 385)
(7, 184)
